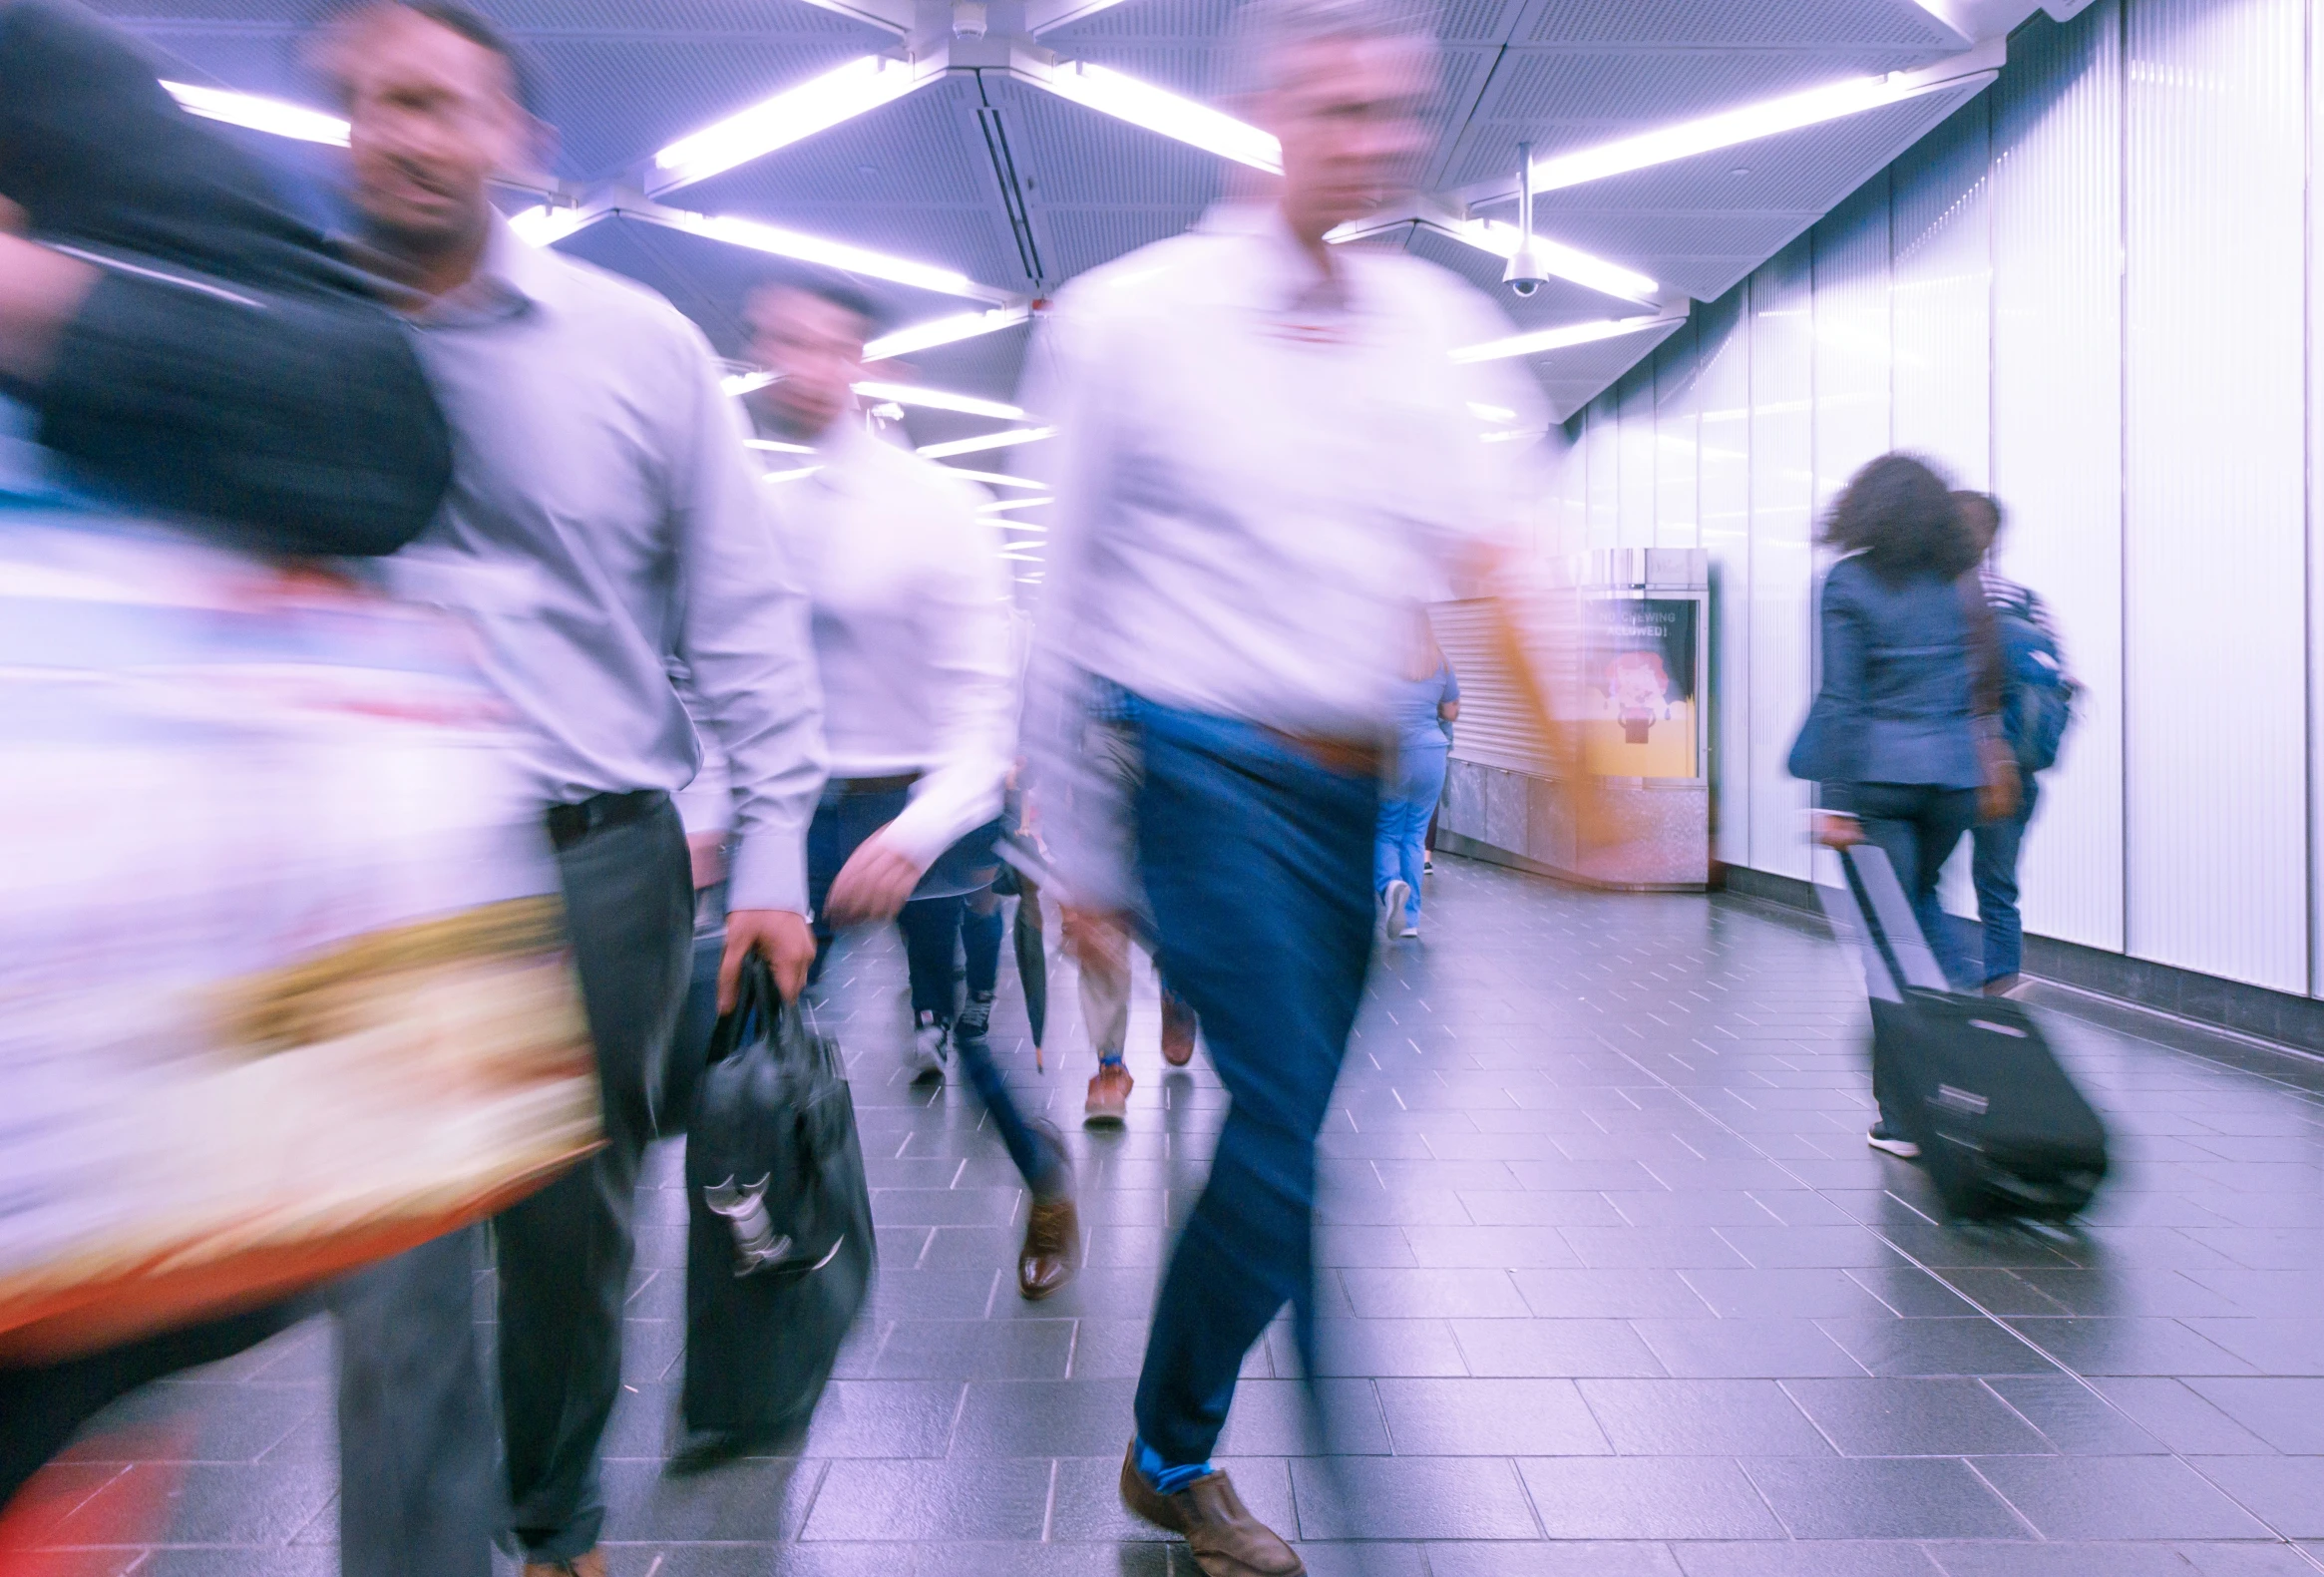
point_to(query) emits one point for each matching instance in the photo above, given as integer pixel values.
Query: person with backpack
(1903, 740)
(2037, 705)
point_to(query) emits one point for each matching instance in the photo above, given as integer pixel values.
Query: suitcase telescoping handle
(1897, 944)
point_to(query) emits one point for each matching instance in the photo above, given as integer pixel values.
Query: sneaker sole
(1104, 1119)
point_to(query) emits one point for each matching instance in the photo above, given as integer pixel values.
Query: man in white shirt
(911, 615)
(1266, 454)
(605, 525)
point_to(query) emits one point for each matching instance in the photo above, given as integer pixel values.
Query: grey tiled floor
(1613, 1287)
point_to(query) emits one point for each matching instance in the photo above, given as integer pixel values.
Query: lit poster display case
(1643, 706)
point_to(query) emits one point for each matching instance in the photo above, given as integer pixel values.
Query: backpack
(2037, 697)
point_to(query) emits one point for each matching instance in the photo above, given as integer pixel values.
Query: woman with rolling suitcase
(1904, 740)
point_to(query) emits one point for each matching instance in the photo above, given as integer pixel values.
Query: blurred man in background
(912, 638)
(1266, 453)
(605, 523)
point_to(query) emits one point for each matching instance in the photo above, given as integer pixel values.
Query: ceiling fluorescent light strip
(1126, 98)
(1832, 102)
(940, 400)
(544, 226)
(945, 331)
(1005, 439)
(998, 479)
(259, 114)
(777, 447)
(1567, 263)
(1043, 15)
(1014, 504)
(1560, 338)
(815, 104)
(780, 243)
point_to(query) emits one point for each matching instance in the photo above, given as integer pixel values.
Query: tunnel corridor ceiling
(706, 144)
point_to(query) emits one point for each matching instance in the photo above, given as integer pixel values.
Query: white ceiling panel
(710, 280)
(922, 178)
(1807, 169)
(1898, 23)
(1080, 239)
(915, 151)
(1564, 99)
(1579, 374)
(1068, 154)
(615, 100)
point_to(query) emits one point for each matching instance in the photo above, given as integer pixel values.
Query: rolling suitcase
(2001, 1127)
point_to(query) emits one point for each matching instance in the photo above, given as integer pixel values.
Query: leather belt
(570, 824)
(887, 785)
(1354, 758)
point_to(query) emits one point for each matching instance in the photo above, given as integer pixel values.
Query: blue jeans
(931, 921)
(1403, 822)
(1996, 870)
(1257, 860)
(1918, 825)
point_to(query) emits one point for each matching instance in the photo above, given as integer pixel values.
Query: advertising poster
(1642, 716)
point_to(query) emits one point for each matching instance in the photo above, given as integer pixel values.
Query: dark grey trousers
(418, 1494)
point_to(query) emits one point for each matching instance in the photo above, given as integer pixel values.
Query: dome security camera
(1525, 273)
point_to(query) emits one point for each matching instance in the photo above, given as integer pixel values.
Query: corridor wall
(2090, 291)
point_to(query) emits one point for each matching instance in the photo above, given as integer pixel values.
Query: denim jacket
(1909, 686)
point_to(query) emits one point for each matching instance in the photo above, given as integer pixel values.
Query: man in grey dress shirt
(605, 523)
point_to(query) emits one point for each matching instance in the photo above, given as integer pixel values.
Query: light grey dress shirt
(912, 628)
(605, 525)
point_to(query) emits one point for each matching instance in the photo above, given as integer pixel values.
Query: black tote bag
(779, 1249)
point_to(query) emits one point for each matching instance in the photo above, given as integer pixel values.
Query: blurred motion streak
(284, 970)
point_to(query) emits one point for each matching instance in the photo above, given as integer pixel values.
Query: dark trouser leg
(1259, 867)
(1918, 825)
(842, 822)
(564, 1252)
(1998, 844)
(980, 939)
(932, 931)
(42, 1408)
(930, 924)
(1040, 1165)
(419, 1492)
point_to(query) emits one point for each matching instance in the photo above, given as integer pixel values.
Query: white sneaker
(1392, 904)
(1893, 1143)
(1411, 929)
(929, 1047)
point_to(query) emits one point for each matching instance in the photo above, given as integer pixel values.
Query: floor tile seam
(814, 1499)
(2314, 1560)
(2015, 1510)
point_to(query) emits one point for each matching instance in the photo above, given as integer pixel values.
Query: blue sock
(1167, 1480)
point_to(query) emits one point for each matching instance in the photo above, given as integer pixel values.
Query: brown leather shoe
(1108, 1105)
(1177, 1030)
(1052, 1241)
(592, 1564)
(1225, 1539)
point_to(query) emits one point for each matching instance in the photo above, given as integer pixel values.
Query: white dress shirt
(604, 524)
(911, 614)
(1256, 467)
(1260, 472)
